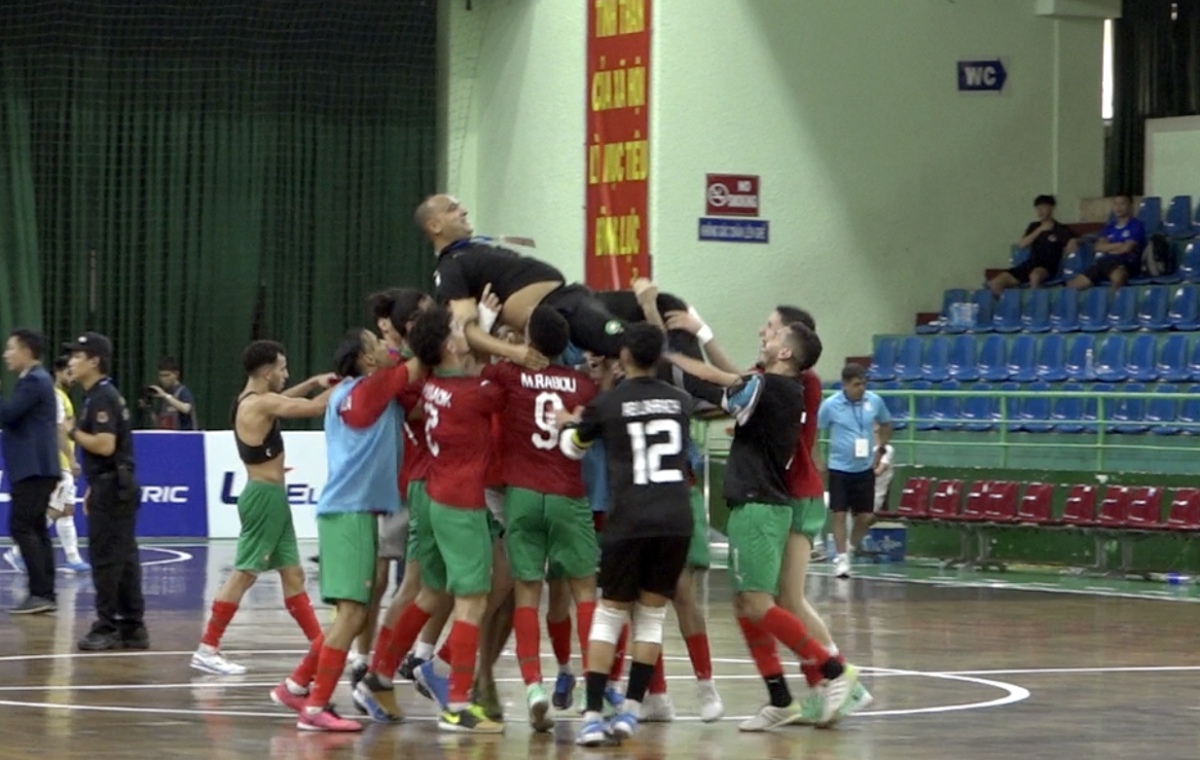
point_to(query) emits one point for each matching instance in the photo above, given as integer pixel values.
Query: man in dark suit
(29, 419)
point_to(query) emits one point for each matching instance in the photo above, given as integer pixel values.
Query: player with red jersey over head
(547, 517)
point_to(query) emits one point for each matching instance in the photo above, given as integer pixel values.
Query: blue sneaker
(564, 691)
(76, 568)
(593, 733)
(438, 687)
(614, 699)
(14, 559)
(623, 725)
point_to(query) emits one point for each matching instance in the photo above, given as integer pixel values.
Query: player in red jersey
(547, 517)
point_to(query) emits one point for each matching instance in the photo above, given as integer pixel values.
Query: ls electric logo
(298, 494)
(165, 494)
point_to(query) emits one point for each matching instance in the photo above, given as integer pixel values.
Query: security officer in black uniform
(103, 431)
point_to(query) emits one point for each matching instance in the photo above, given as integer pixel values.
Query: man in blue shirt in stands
(850, 418)
(30, 444)
(1118, 251)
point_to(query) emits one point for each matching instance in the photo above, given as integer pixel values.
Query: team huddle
(513, 433)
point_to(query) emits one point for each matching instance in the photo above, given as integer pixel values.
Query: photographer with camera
(169, 405)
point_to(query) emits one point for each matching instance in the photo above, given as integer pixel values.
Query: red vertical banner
(618, 142)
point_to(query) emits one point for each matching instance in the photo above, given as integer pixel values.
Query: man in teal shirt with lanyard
(850, 418)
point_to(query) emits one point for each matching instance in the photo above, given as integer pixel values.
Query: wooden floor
(958, 672)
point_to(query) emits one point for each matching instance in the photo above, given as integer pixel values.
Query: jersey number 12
(648, 460)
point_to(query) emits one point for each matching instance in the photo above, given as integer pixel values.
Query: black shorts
(629, 566)
(852, 492)
(1102, 270)
(1022, 271)
(593, 327)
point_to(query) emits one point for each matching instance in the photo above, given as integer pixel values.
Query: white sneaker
(835, 694)
(208, 661)
(711, 707)
(657, 708)
(15, 560)
(841, 566)
(769, 717)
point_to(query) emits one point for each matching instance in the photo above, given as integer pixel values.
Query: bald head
(443, 220)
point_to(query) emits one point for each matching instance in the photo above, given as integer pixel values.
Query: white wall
(882, 183)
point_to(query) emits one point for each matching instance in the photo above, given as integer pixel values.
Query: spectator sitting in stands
(170, 404)
(1118, 251)
(1046, 238)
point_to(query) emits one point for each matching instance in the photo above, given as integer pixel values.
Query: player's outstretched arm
(692, 322)
(705, 372)
(466, 311)
(288, 407)
(313, 383)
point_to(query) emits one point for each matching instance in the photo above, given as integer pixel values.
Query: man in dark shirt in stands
(171, 403)
(1045, 238)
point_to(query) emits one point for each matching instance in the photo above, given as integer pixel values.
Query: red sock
(762, 648)
(464, 645)
(525, 626)
(222, 613)
(329, 670)
(584, 612)
(446, 653)
(618, 666)
(382, 640)
(300, 608)
(786, 627)
(559, 632)
(304, 673)
(697, 646)
(658, 680)
(408, 627)
(812, 671)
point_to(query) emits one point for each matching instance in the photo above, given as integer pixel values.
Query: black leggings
(598, 319)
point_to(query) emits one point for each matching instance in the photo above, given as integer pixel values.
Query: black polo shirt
(466, 267)
(104, 411)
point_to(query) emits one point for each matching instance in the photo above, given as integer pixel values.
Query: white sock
(423, 651)
(207, 649)
(65, 526)
(833, 650)
(457, 706)
(589, 717)
(295, 688)
(633, 707)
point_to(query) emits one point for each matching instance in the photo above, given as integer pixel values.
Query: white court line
(1082, 671)
(175, 558)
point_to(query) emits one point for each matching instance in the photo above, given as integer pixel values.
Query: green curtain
(1156, 73)
(201, 174)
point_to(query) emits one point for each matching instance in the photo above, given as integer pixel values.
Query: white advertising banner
(305, 459)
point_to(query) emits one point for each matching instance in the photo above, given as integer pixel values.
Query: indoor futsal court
(962, 667)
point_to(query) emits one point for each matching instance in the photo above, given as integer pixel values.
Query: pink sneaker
(326, 720)
(283, 697)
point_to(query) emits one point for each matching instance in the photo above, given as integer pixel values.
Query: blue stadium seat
(981, 410)
(908, 358)
(1184, 313)
(1033, 414)
(1091, 406)
(1006, 316)
(1141, 364)
(897, 405)
(950, 297)
(1018, 256)
(1172, 360)
(1149, 213)
(963, 360)
(1011, 406)
(1162, 409)
(936, 366)
(983, 319)
(1123, 310)
(1189, 263)
(1051, 365)
(883, 361)
(1152, 309)
(1193, 365)
(1128, 415)
(1021, 365)
(1188, 416)
(1064, 310)
(1035, 316)
(1179, 217)
(993, 359)
(1080, 363)
(1072, 264)
(947, 410)
(1093, 310)
(1067, 413)
(924, 407)
(1110, 360)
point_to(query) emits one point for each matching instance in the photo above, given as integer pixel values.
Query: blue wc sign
(981, 76)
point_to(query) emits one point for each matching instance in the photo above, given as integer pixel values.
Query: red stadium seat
(914, 499)
(975, 509)
(1002, 503)
(1145, 508)
(947, 498)
(1037, 505)
(1184, 513)
(1081, 506)
(1114, 507)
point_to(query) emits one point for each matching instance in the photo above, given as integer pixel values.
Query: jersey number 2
(544, 408)
(648, 461)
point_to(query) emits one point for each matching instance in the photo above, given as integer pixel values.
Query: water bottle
(1088, 371)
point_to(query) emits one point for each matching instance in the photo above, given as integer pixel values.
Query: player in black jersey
(644, 425)
(769, 409)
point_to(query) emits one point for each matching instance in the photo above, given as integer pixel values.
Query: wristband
(487, 319)
(704, 334)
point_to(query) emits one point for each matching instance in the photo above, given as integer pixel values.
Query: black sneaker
(358, 673)
(410, 664)
(34, 605)
(101, 641)
(136, 638)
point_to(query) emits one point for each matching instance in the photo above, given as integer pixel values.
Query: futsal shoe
(33, 605)
(15, 560)
(770, 716)
(593, 733)
(624, 725)
(860, 699)
(326, 720)
(358, 671)
(658, 708)
(564, 691)
(436, 687)
(470, 720)
(373, 698)
(835, 693)
(409, 666)
(285, 697)
(539, 705)
(712, 708)
(206, 659)
(841, 566)
(75, 568)
(488, 697)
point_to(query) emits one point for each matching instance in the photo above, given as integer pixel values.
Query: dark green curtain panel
(188, 176)
(1156, 62)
